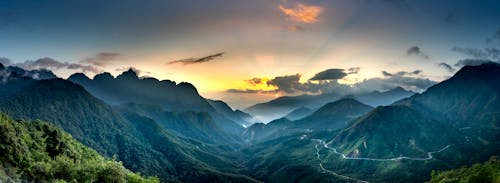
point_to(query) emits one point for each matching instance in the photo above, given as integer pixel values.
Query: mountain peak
(1, 66)
(104, 76)
(78, 76)
(486, 70)
(130, 74)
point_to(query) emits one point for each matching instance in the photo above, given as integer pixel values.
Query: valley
(206, 141)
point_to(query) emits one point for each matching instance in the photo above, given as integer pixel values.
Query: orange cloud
(302, 13)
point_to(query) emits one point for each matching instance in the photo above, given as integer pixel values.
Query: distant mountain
(377, 98)
(260, 131)
(21, 77)
(394, 131)
(334, 115)
(281, 106)
(35, 151)
(299, 113)
(129, 88)
(141, 143)
(238, 116)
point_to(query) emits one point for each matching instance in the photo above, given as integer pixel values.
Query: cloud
(477, 53)
(302, 13)
(446, 66)
(243, 91)
(50, 63)
(290, 84)
(401, 73)
(255, 81)
(5, 61)
(329, 74)
(101, 59)
(472, 62)
(416, 51)
(294, 28)
(287, 84)
(197, 60)
(135, 69)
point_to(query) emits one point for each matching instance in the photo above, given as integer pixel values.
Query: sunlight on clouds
(302, 13)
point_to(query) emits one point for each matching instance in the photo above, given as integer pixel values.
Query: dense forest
(37, 151)
(486, 172)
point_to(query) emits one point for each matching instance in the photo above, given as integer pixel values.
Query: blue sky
(262, 39)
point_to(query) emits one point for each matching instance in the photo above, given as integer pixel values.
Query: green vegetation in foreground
(40, 152)
(484, 173)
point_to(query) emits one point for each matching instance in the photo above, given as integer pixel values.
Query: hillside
(105, 129)
(394, 131)
(486, 172)
(334, 115)
(40, 152)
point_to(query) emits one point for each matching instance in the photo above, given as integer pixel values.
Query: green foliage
(41, 152)
(484, 173)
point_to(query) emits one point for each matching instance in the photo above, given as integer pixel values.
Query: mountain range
(167, 130)
(283, 106)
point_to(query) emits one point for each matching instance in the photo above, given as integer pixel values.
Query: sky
(245, 52)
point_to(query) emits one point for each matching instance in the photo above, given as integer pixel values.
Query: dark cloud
(290, 84)
(353, 70)
(401, 73)
(255, 81)
(243, 91)
(5, 61)
(416, 51)
(472, 62)
(135, 69)
(50, 63)
(101, 59)
(197, 60)
(287, 84)
(446, 66)
(329, 74)
(387, 74)
(477, 53)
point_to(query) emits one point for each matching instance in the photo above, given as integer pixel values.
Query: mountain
(129, 88)
(469, 99)
(21, 77)
(189, 124)
(139, 142)
(299, 113)
(242, 118)
(273, 129)
(281, 106)
(394, 131)
(35, 151)
(334, 115)
(377, 98)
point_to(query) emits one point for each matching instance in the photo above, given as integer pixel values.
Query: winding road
(332, 172)
(325, 145)
(429, 154)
